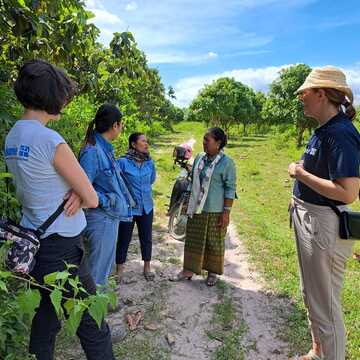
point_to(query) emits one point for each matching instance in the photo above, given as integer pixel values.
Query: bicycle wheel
(177, 222)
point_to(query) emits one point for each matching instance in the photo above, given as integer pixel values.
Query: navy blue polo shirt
(333, 152)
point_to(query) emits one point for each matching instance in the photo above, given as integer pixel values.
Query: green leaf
(21, 3)
(98, 308)
(70, 266)
(50, 278)
(73, 322)
(112, 299)
(69, 305)
(4, 175)
(62, 275)
(28, 301)
(56, 297)
(5, 274)
(74, 284)
(3, 286)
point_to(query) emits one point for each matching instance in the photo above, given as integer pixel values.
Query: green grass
(227, 327)
(260, 215)
(144, 348)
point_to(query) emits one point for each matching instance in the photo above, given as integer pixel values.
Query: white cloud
(353, 77)
(104, 17)
(132, 6)
(162, 26)
(180, 58)
(258, 78)
(94, 4)
(212, 54)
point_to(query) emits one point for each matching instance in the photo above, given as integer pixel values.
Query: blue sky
(194, 42)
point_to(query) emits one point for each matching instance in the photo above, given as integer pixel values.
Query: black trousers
(144, 225)
(54, 251)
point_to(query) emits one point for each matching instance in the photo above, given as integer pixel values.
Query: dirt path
(179, 316)
(260, 307)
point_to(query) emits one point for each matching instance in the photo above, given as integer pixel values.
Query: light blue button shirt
(140, 179)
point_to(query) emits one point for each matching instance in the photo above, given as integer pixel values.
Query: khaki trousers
(322, 261)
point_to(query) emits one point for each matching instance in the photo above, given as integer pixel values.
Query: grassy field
(260, 215)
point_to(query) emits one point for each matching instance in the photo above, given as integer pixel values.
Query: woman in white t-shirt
(45, 171)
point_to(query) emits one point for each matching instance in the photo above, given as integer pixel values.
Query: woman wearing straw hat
(328, 173)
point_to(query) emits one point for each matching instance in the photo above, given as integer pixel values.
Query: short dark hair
(42, 86)
(219, 135)
(133, 138)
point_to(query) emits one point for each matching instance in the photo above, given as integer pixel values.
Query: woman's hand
(295, 168)
(73, 203)
(224, 219)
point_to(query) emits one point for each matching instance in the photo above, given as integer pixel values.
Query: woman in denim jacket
(139, 171)
(115, 201)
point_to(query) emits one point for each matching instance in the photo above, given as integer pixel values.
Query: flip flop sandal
(180, 277)
(211, 279)
(311, 356)
(149, 276)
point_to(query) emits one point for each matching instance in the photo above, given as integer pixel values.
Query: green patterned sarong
(204, 244)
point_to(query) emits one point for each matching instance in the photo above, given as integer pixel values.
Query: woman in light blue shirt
(139, 171)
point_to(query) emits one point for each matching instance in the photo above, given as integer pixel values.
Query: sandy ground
(177, 315)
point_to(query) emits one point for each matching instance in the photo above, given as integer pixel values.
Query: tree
(224, 103)
(282, 105)
(55, 30)
(246, 110)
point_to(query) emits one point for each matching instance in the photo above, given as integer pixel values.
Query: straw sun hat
(327, 77)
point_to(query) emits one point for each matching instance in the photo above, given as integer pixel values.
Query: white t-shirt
(29, 153)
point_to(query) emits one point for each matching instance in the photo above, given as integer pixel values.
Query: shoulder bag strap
(7, 190)
(42, 228)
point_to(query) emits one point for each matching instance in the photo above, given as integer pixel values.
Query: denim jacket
(140, 179)
(99, 163)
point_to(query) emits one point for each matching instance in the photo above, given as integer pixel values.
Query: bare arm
(345, 190)
(69, 168)
(224, 218)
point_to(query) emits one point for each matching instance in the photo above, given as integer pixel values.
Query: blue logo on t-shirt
(24, 151)
(21, 153)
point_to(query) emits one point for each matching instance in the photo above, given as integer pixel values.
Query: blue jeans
(101, 233)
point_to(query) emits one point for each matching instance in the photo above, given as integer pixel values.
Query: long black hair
(106, 116)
